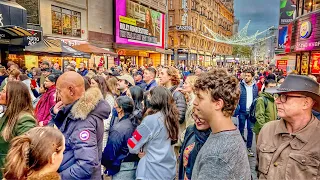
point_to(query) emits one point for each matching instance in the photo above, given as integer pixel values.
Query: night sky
(262, 13)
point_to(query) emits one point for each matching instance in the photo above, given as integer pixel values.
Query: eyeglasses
(196, 118)
(284, 97)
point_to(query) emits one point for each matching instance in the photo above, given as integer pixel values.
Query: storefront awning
(91, 49)
(12, 32)
(55, 47)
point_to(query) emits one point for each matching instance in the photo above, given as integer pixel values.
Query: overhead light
(310, 3)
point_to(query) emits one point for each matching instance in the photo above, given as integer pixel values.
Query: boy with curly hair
(223, 156)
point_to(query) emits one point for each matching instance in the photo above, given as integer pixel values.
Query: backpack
(252, 112)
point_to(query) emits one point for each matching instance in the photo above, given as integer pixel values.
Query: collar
(303, 135)
(126, 116)
(151, 82)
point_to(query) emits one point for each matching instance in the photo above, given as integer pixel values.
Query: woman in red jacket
(47, 100)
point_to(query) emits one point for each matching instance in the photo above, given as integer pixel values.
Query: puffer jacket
(46, 102)
(181, 104)
(264, 113)
(82, 126)
(242, 106)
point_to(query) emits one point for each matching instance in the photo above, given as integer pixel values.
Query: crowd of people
(164, 122)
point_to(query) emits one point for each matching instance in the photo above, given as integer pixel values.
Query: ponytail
(17, 161)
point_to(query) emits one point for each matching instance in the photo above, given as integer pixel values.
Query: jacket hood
(267, 95)
(245, 84)
(90, 103)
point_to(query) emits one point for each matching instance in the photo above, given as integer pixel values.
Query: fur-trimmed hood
(92, 102)
(48, 176)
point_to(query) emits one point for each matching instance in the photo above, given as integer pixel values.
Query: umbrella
(55, 47)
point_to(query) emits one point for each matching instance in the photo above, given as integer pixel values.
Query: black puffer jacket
(180, 101)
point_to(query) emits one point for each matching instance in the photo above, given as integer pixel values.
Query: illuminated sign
(305, 29)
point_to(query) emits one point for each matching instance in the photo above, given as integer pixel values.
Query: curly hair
(221, 86)
(174, 74)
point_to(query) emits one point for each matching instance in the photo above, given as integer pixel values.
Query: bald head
(70, 87)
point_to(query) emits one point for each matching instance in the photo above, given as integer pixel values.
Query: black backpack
(252, 112)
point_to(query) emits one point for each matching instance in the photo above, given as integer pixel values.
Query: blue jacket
(82, 126)
(189, 138)
(242, 107)
(117, 150)
(152, 84)
(84, 72)
(142, 84)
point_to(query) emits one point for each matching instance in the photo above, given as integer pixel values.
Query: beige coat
(285, 156)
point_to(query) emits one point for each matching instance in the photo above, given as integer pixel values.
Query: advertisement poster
(298, 63)
(138, 25)
(315, 69)
(282, 65)
(287, 11)
(287, 43)
(304, 64)
(283, 37)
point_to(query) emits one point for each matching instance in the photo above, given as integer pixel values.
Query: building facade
(141, 32)
(188, 19)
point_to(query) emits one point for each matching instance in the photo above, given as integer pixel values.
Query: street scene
(159, 89)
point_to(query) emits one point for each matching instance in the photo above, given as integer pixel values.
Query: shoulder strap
(265, 101)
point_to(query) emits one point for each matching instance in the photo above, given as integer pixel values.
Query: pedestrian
(119, 163)
(187, 89)
(47, 101)
(260, 84)
(136, 94)
(195, 136)
(27, 81)
(149, 77)
(289, 148)
(138, 78)
(249, 92)
(169, 78)
(83, 71)
(18, 115)
(223, 156)
(3, 74)
(265, 109)
(124, 83)
(35, 155)
(100, 82)
(153, 138)
(79, 116)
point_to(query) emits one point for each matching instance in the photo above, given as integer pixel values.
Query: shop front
(13, 29)
(305, 43)
(139, 34)
(208, 61)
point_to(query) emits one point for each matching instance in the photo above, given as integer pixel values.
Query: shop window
(308, 6)
(171, 4)
(170, 21)
(193, 5)
(66, 22)
(316, 5)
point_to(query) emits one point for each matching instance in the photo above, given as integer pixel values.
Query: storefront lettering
(184, 28)
(307, 45)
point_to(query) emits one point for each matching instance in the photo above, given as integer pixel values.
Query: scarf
(200, 138)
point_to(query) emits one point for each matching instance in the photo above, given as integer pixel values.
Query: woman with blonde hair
(187, 90)
(18, 115)
(35, 155)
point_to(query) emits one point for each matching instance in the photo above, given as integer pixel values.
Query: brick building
(187, 20)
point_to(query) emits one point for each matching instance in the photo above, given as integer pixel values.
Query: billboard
(305, 36)
(138, 25)
(283, 37)
(287, 11)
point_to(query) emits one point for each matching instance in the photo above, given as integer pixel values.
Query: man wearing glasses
(290, 148)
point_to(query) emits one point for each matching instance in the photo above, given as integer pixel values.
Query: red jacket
(44, 105)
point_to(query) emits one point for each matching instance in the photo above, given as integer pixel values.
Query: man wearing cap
(124, 83)
(138, 78)
(289, 148)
